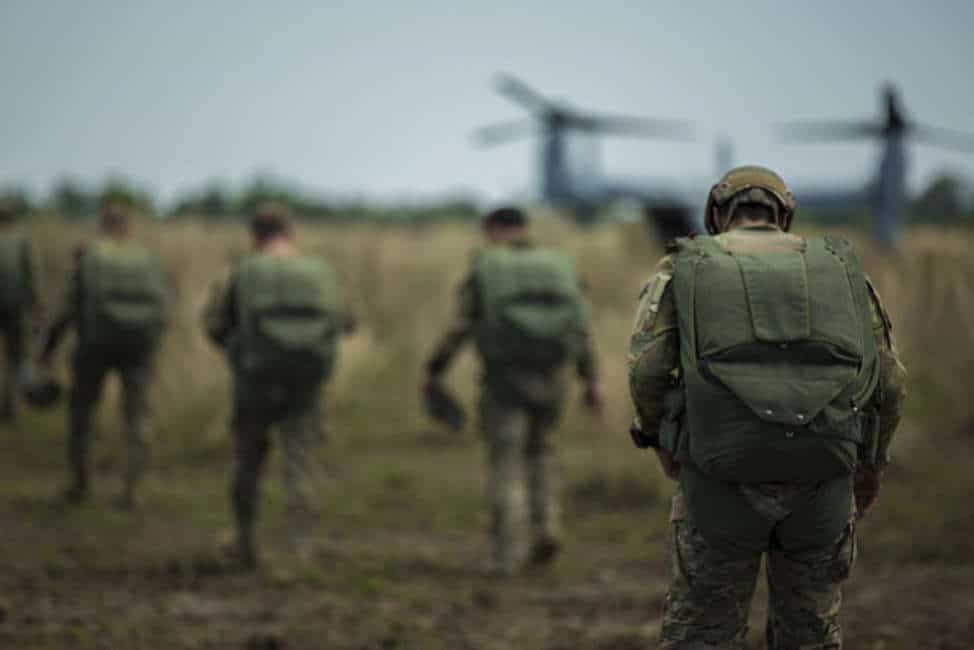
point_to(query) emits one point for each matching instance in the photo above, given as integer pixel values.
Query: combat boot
(74, 494)
(243, 550)
(544, 551)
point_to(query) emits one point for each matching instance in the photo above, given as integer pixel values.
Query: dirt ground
(398, 556)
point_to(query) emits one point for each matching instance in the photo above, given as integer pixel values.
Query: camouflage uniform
(295, 408)
(518, 409)
(13, 329)
(715, 576)
(89, 368)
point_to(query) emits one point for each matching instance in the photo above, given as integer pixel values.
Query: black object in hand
(444, 407)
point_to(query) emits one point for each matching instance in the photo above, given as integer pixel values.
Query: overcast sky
(379, 99)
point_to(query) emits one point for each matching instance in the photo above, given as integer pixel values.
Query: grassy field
(401, 534)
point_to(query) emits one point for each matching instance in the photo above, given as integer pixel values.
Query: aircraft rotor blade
(504, 132)
(829, 131)
(944, 138)
(523, 95)
(635, 126)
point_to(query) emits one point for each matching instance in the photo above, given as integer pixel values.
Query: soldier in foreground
(278, 318)
(116, 299)
(523, 307)
(18, 299)
(763, 374)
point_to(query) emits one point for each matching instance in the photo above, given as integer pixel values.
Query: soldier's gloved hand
(671, 467)
(594, 397)
(866, 489)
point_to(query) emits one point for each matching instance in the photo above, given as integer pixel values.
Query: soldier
(116, 298)
(18, 299)
(278, 319)
(524, 308)
(763, 373)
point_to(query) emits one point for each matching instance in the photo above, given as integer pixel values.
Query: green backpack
(124, 296)
(12, 280)
(778, 359)
(289, 310)
(533, 312)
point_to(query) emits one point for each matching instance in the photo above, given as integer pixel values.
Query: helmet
(42, 394)
(750, 184)
(505, 217)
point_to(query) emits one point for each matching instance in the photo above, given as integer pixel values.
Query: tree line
(73, 200)
(948, 199)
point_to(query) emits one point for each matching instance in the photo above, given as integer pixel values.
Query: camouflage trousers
(518, 453)
(709, 599)
(90, 371)
(12, 329)
(301, 430)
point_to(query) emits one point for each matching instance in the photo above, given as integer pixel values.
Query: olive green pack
(289, 310)
(533, 312)
(124, 296)
(12, 280)
(778, 358)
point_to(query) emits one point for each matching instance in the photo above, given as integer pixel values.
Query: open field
(401, 532)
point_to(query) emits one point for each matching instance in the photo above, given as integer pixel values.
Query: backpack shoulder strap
(699, 245)
(689, 252)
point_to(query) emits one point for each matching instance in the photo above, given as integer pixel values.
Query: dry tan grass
(400, 284)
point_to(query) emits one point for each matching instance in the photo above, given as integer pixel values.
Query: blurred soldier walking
(278, 318)
(524, 309)
(763, 373)
(116, 298)
(17, 300)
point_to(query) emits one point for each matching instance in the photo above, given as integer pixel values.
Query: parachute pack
(778, 357)
(533, 312)
(124, 296)
(290, 317)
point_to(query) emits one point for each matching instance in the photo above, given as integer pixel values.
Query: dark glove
(442, 406)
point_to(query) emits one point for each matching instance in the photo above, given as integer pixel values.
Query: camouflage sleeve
(654, 349)
(459, 330)
(220, 314)
(891, 391)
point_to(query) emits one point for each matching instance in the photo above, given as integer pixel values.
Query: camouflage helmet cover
(750, 184)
